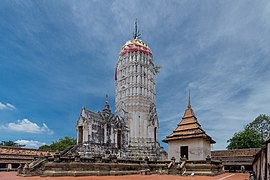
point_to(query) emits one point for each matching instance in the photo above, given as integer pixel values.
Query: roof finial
(107, 106)
(107, 101)
(189, 106)
(136, 33)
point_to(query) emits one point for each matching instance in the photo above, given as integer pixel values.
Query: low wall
(74, 165)
(97, 169)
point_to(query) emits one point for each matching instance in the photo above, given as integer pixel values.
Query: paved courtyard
(226, 176)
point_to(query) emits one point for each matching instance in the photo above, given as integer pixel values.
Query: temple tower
(135, 94)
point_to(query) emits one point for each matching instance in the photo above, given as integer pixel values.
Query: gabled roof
(188, 128)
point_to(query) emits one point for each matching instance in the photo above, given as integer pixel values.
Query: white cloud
(27, 126)
(6, 106)
(30, 143)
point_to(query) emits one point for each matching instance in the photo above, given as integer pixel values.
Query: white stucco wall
(198, 149)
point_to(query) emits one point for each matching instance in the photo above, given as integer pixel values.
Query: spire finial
(136, 33)
(107, 106)
(189, 106)
(107, 101)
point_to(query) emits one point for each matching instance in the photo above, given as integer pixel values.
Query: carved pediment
(107, 117)
(119, 122)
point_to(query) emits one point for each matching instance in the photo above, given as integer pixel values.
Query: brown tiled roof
(235, 152)
(23, 151)
(20, 155)
(188, 128)
(235, 157)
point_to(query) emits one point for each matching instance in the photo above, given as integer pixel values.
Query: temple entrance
(119, 139)
(80, 134)
(184, 151)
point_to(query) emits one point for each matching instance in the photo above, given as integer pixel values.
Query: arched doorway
(155, 134)
(80, 134)
(119, 139)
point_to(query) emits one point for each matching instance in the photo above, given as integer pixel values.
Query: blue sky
(56, 56)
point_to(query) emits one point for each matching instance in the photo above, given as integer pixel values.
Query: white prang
(135, 98)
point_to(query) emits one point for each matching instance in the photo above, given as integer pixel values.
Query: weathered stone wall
(206, 148)
(261, 162)
(74, 165)
(80, 169)
(198, 149)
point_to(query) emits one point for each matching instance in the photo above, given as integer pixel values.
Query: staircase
(136, 152)
(35, 168)
(172, 169)
(69, 150)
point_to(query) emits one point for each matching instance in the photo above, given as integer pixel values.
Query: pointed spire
(189, 112)
(107, 102)
(189, 106)
(107, 106)
(83, 111)
(136, 33)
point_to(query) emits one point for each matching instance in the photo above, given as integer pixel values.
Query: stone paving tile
(226, 176)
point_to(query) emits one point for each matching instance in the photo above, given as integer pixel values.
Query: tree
(261, 125)
(253, 135)
(60, 145)
(45, 148)
(248, 138)
(11, 143)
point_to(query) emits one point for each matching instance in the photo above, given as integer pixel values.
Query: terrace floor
(226, 176)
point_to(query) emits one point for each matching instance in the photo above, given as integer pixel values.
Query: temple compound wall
(261, 162)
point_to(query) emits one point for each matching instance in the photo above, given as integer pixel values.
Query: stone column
(105, 133)
(9, 167)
